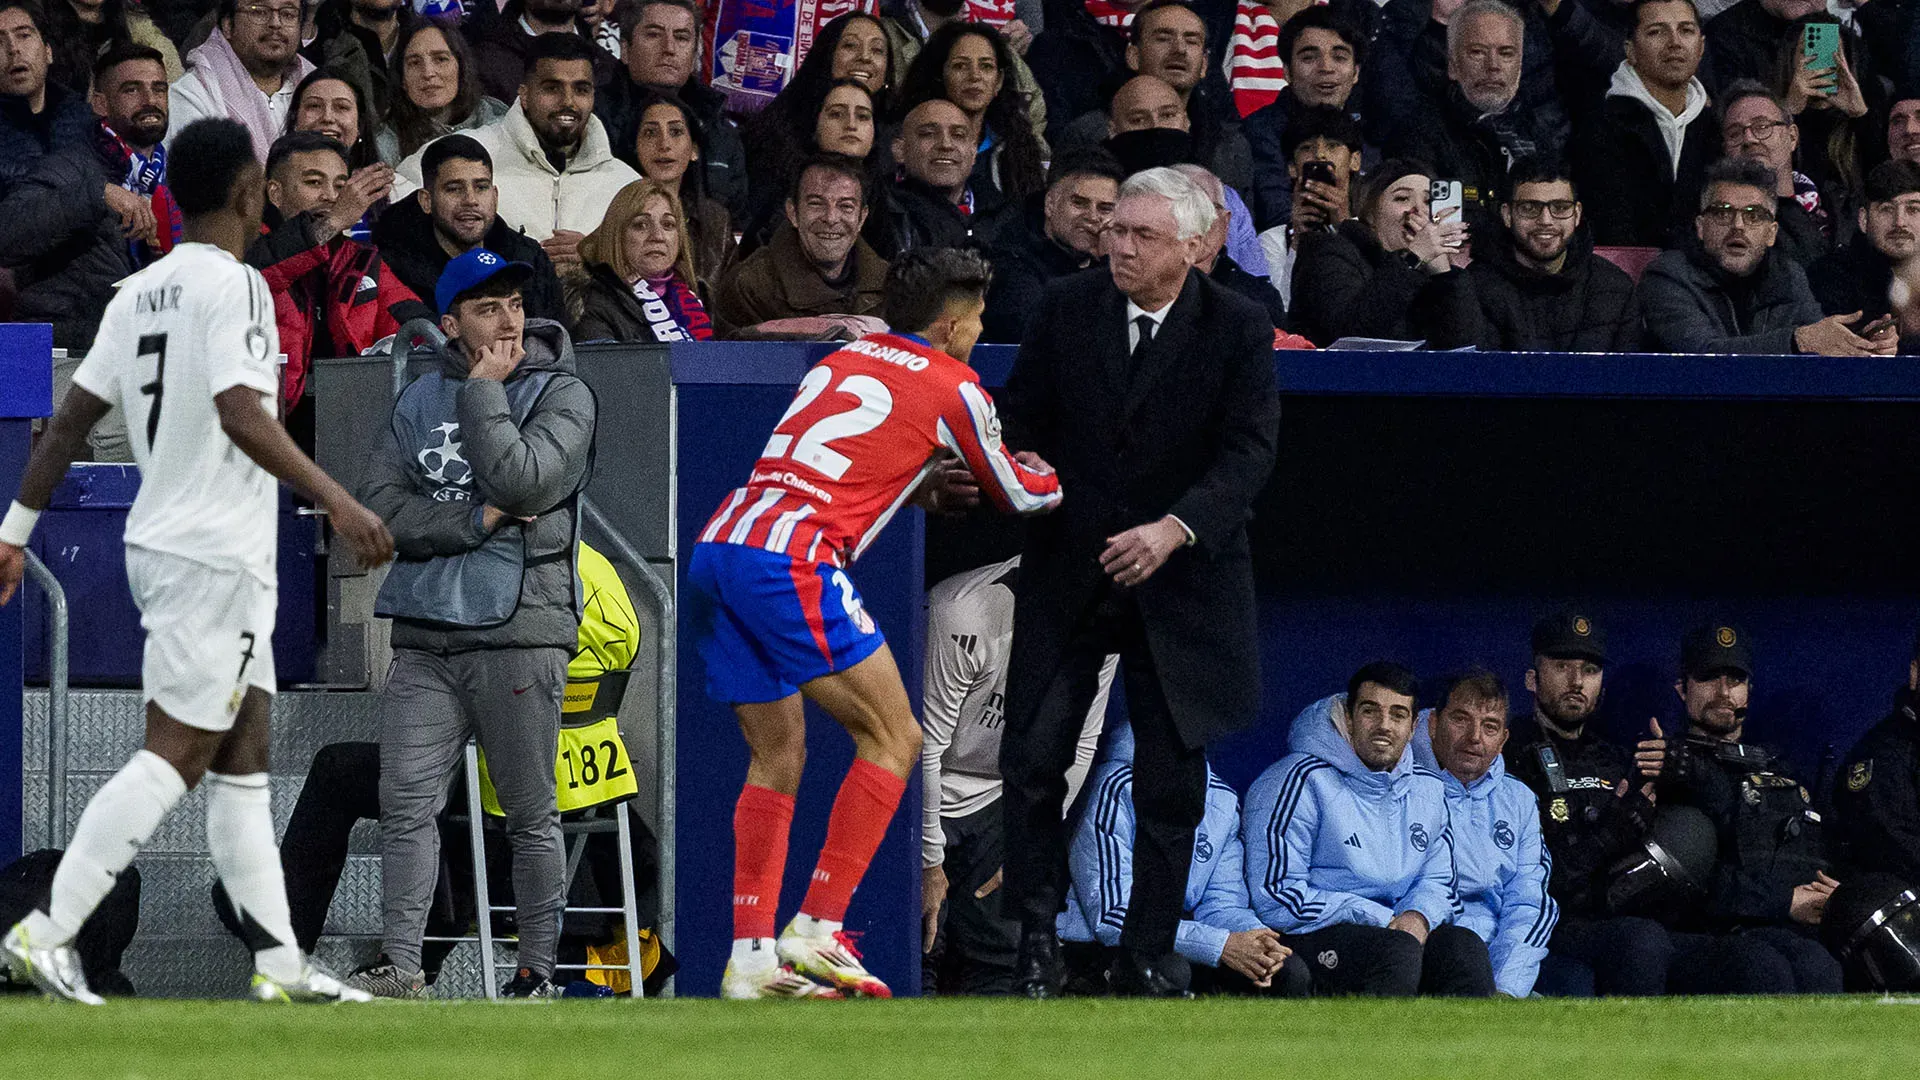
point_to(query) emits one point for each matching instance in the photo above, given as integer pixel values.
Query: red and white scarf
(1256, 72)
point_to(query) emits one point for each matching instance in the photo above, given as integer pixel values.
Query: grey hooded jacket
(431, 495)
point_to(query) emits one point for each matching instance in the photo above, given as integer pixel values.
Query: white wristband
(17, 529)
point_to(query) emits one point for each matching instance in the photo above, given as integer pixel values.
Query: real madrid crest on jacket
(1876, 796)
(1501, 866)
(1331, 841)
(515, 587)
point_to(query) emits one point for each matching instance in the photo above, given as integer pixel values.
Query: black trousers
(973, 952)
(1169, 782)
(1088, 963)
(1757, 960)
(1373, 960)
(1627, 955)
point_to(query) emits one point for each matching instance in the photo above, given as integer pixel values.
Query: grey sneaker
(55, 969)
(383, 978)
(314, 986)
(526, 984)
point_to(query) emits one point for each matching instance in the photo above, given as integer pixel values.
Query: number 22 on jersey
(805, 431)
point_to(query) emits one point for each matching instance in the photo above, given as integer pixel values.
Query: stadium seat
(1633, 260)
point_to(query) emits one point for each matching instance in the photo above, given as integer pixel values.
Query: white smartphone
(1444, 195)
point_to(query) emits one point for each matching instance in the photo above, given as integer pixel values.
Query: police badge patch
(1558, 811)
(1860, 775)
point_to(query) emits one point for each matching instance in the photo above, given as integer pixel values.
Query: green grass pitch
(1817, 1039)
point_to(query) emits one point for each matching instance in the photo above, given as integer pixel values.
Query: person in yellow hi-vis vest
(343, 787)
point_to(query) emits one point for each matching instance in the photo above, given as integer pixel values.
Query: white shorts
(209, 636)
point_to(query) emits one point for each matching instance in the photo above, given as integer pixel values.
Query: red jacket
(342, 285)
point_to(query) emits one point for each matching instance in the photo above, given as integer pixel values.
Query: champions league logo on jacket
(444, 464)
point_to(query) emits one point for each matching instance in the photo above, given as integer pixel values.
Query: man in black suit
(1152, 388)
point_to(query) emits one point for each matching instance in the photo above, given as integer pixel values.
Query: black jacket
(1876, 798)
(1689, 307)
(500, 48)
(1586, 827)
(1257, 289)
(405, 237)
(910, 214)
(1770, 840)
(1272, 189)
(723, 157)
(1589, 306)
(1800, 237)
(1187, 428)
(57, 237)
(1023, 265)
(1632, 196)
(1346, 285)
(1856, 278)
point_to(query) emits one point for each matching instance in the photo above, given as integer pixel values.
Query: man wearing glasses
(1539, 285)
(1734, 293)
(1756, 125)
(245, 72)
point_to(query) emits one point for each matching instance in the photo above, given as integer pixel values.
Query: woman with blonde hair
(636, 281)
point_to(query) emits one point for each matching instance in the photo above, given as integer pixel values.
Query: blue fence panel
(26, 392)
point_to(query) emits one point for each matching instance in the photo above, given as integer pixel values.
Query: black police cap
(1716, 647)
(1569, 635)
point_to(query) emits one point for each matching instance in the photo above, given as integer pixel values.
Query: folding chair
(594, 780)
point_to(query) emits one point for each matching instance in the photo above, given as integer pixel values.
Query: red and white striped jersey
(866, 426)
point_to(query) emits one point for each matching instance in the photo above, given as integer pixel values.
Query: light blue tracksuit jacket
(1330, 841)
(1501, 867)
(1101, 860)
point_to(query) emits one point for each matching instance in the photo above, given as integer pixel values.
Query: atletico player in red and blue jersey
(780, 619)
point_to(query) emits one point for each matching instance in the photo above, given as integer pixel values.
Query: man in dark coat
(1152, 390)
(1062, 236)
(661, 43)
(1643, 148)
(933, 205)
(1732, 292)
(455, 211)
(501, 44)
(1858, 277)
(1539, 286)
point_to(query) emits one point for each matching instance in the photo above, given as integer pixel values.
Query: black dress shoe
(1140, 975)
(1037, 970)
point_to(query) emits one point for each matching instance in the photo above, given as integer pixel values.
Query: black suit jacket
(1191, 433)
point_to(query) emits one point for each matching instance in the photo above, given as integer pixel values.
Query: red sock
(761, 820)
(868, 797)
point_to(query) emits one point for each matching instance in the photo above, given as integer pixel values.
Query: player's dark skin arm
(261, 438)
(62, 442)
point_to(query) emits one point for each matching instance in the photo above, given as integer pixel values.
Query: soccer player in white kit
(188, 351)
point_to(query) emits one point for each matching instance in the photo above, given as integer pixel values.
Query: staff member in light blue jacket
(1501, 867)
(1229, 948)
(1349, 853)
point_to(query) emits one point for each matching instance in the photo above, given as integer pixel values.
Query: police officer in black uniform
(1876, 804)
(1594, 810)
(1754, 933)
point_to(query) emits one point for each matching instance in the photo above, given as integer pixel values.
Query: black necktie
(1147, 326)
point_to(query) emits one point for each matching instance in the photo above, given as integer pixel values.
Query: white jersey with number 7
(195, 323)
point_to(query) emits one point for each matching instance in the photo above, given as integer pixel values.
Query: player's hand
(366, 535)
(136, 214)
(1034, 461)
(563, 247)
(950, 489)
(1257, 954)
(13, 566)
(1134, 555)
(1413, 923)
(1650, 756)
(933, 893)
(496, 360)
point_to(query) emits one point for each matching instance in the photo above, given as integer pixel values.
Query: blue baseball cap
(470, 270)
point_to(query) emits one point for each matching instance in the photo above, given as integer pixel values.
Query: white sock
(753, 954)
(807, 926)
(116, 825)
(240, 837)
